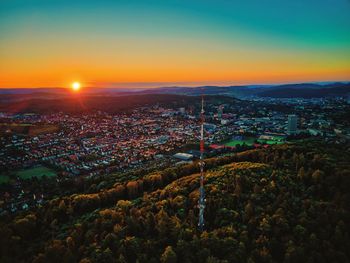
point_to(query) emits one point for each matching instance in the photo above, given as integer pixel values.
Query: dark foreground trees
(289, 203)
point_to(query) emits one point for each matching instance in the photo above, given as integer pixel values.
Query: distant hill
(194, 91)
(16, 103)
(307, 91)
(301, 90)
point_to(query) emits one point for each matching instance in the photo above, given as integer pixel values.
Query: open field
(38, 172)
(27, 128)
(270, 142)
(4, 179)
(248, 141)
(251, 140)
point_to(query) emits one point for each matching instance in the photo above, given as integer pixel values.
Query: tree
(301, 173)
(121, 259)
(317, 176)
(62, 206)
(132, 188)
(124, 205)
(164, 224)
(55, 251)
(249, 210)
(301, 159)
(212, 259)
(25, 227)
(120, 190)
(168, 256)
(238, 186)
(70, 243)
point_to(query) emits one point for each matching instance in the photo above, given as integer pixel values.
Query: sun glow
(75, 86)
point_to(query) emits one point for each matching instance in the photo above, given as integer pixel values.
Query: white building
(183, 156)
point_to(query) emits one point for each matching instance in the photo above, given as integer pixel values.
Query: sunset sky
(127, 43)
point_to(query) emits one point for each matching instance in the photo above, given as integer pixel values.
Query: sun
(75, 86)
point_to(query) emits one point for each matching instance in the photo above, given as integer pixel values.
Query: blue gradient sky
(51, 43)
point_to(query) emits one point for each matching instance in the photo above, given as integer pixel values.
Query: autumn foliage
(287, 203)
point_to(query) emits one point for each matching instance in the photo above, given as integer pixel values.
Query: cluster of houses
(96, 143)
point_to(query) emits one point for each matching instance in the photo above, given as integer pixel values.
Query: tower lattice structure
(201, 201)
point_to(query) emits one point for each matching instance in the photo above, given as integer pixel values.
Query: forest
(286, 203)
(85, 103)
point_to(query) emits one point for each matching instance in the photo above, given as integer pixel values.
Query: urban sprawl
(98, 143)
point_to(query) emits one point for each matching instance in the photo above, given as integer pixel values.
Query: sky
(134, 43)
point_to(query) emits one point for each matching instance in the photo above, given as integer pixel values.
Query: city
(102, 143)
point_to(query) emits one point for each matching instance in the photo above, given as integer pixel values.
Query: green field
(251, 140)
(270, 142)
(4, 179)
(275, 140)
(248, 141)
(38, 172)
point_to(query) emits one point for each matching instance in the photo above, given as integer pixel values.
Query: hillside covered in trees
(287, 203)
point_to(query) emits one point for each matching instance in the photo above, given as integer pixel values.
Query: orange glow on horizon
(144, 60)
(190, 77)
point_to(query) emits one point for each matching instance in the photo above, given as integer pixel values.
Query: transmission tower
(201, 201)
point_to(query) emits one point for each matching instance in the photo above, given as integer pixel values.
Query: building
(183, 156)
(220, 111)
(209, 127)
(292, 125)
(314, 132)
(224, 121)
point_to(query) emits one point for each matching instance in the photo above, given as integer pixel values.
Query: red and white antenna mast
(201, 201)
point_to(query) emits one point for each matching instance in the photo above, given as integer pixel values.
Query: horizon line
(158, 85)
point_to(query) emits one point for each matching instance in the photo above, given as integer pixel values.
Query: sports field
(275, 140)
(251, 140)
(38, 172)
(248, 141)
